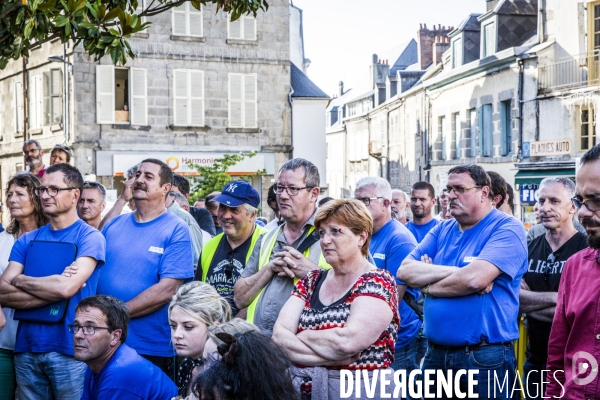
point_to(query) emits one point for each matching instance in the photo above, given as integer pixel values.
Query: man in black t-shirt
(224, 257)
(547, 256)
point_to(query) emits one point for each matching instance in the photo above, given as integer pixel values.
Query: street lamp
(67, 68)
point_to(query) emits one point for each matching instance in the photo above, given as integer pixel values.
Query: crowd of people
(157, 299)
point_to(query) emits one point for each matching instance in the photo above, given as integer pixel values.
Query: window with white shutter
(244, 28)
(18, 107)
(242, 101)
(53, 109)
(187, 21)
(188, 99)
(105, 94)
(34, 114)
(138, 96)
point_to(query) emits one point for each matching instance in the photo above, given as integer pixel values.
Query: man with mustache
(470, 269)
(268, 279)
(573, 350)
(547, 256)
(224, 257)
(32, 150)
(148, 256)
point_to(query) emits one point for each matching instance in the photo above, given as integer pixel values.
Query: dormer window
(489, 40)
(457, 53)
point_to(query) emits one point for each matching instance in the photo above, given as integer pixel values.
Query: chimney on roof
(341, 88)
(426, 41)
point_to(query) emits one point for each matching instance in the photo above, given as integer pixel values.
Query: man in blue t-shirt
(44, 361)
(114, 370)
(422, 200)
(148, 256)
(390, 244)
(470, 269)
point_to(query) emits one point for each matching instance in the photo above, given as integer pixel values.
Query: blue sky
(341, 35)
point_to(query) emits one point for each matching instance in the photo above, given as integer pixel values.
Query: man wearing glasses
(114, 370)
(224, 257)
(573, 351)
(286, 253)
(32, 150)
(44, 360)
(470, 269)
(547, 256)
(91, 203)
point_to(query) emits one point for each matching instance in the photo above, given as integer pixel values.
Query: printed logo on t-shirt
(379, 256)
(155, 249)
(469, 259)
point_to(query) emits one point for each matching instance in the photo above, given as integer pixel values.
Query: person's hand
(296, 261)
(487, 289)
(426, 259)
(70, 270)
(2, 319)
(128, 189)
(280, 268)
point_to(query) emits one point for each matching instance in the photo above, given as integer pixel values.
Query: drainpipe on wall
(520, 100)
(291, 116)
(24, 87)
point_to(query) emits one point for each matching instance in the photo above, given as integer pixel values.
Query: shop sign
(550, 148)
(529, 193)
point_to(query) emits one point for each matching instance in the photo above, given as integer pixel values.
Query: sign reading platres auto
(550, 147)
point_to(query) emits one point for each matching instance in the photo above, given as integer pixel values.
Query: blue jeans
(492, 361)
(532, 380)
(49, 376)
(405, 358)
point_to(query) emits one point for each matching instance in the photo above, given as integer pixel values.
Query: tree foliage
(103, 26)
(214, 177)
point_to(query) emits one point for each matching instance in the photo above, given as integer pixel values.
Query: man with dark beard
(574, 336)
(33, 152)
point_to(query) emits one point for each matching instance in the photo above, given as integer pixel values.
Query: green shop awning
(535, 177)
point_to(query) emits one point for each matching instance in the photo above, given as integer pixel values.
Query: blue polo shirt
(491, 317)
(389, 247)
(138, 256)
(420, 231)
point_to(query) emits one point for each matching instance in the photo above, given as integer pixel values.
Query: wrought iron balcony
(572, 72)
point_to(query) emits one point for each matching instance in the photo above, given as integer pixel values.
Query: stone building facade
(200, 87)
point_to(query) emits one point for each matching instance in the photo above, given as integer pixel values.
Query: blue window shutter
(503, 130)
(488, 131)
(481, 132)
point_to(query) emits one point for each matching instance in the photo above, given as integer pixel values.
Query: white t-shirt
(8, 334)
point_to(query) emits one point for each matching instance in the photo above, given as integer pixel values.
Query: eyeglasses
(31, 150)
(230, 267)
(591, 205)
(87, 329)
(52, 190)
(333, 232)
(549, 265)
(459, 189)
(291, 190)
(367, 200)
